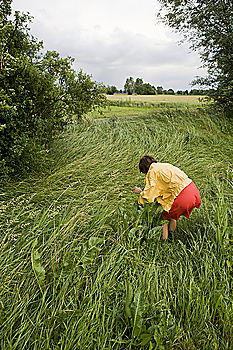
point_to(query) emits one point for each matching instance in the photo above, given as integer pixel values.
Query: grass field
(120, 111)
(157, 98)
(121, 105)
(83, 268)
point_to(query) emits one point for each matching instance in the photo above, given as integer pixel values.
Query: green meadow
(122, 105)
(83, 267)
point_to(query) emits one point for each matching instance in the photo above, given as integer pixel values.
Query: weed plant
(83, 267)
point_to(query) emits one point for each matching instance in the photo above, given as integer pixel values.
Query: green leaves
(37, 267)
(39, 94)
(90, 249)
(135, 309)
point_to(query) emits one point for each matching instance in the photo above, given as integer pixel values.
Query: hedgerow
(39, 93)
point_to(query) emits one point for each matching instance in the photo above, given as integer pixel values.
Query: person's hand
(137, 190)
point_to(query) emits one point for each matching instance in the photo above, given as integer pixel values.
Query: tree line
(39, 93)
(138, 87)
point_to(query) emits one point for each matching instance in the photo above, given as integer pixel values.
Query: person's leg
(165, 231)
(171, 228)
(172, 225)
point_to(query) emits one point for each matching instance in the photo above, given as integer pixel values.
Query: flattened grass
(83, 268)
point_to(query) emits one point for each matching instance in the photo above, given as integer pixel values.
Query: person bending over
(170, 187)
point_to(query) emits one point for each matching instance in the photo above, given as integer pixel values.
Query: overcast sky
(113, 40)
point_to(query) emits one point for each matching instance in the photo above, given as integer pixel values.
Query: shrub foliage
(39, 93)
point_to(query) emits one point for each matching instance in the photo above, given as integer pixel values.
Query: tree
(148, 89)
(170, 92)
(39, 93)
(208, 26)
(129, 86)
(111, 90)
(138, 86)
(159, 90)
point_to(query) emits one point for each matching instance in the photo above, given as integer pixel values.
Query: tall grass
(82, 267)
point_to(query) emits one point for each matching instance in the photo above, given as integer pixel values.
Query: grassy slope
(82, 268)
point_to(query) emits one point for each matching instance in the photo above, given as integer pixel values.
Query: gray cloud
(113, 52)
(138, 56)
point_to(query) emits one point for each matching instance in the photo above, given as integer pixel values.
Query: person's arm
(137, 190)
(150, 192)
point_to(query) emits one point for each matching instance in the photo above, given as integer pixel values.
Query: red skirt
(188, 199)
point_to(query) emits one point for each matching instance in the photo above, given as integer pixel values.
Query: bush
(39, 93)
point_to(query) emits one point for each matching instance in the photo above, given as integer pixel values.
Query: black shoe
(170, 235)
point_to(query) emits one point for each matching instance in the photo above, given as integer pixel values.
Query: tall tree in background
(148, 89)
(129, 86)
(138, 86)
(208, 26)
(111, 90)
(159, 90)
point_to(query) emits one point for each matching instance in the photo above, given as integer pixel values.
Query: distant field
(156, 98)
(121, 105)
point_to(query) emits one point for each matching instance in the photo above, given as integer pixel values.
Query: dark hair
(145, 163)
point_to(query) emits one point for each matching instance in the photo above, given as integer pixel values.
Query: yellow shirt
(163, 183)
